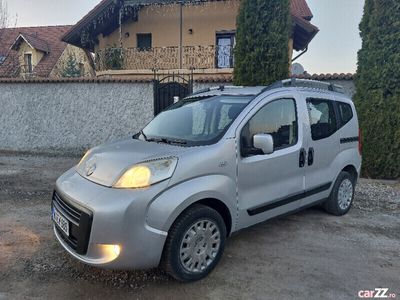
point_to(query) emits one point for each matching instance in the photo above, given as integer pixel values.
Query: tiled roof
(33, 41)
(300, 8)
(42, 37)
(327, 76)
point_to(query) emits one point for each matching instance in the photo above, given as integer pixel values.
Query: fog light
(110, 252)
(117, 250)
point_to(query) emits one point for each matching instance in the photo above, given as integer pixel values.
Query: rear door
(323, 147)
(270, 185)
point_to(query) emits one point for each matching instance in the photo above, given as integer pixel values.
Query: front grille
(80, 223)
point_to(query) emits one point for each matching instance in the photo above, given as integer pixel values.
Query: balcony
(165, 58)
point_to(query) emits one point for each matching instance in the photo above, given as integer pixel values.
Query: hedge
(378, 88)
(262, 38)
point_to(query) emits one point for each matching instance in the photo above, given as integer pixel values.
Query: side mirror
(265, 142)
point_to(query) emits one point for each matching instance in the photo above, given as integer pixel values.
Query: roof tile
(43, 37)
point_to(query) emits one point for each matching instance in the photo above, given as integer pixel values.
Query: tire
(341, 198)
(204, 243)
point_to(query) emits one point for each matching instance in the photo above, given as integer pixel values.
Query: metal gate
(169, 86)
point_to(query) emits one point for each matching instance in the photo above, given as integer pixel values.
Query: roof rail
(294, 82)
(216, 88)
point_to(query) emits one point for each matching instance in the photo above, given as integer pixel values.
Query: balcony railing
(165, 58)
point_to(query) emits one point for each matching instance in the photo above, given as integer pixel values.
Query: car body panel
(265, 179)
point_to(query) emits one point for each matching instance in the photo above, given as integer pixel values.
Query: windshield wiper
(167, 141)
(176, 141)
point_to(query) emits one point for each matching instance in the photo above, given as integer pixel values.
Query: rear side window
(345, 113)
(322, 118)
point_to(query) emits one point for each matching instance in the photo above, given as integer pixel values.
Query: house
(140, 37)
(40, 52)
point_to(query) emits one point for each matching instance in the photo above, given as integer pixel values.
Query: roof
(33, 41)
(44, 38)
(95, 20)
(304, 32)
(300, 8)
(327, 76)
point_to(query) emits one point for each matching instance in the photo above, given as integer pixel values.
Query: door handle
(302, 158)
(310, 156)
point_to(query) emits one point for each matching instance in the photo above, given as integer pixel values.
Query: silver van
(216, 162)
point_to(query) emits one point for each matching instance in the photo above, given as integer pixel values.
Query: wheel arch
(352, 171)
(220, 207)
(216, 192)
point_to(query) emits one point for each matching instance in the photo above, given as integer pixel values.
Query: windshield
(198, 121)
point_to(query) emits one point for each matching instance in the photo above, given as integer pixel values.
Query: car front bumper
(118, 235)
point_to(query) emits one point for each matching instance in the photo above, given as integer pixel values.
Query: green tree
(262, 50)
(378, 88)
(71, 67)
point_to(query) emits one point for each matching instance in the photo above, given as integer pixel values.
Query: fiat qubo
(213, 163)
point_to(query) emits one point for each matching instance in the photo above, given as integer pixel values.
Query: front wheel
(195, 244)
(342, 195)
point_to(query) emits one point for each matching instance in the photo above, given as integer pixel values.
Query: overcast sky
(333, 50)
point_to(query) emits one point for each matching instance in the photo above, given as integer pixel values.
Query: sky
(333, 50)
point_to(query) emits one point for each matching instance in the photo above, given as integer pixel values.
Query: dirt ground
(308, 255)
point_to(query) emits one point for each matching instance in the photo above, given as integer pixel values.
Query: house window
(28, 62)
(224, 53)
(2, 59)
(144, 41)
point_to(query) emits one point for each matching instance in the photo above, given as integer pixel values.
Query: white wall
(70, 117)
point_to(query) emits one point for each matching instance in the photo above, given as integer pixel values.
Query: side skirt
(296, 197)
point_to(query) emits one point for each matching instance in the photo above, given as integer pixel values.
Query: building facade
(139, 37)
(30, 52)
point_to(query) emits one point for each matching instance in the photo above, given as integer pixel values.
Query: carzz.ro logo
(376, 294)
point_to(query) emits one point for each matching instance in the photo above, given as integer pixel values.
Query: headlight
(148, 173)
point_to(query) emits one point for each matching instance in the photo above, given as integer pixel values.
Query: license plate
(60, 221)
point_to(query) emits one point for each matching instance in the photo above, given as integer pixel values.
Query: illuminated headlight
(148, 173)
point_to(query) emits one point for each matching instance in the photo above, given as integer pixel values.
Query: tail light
(360, 141)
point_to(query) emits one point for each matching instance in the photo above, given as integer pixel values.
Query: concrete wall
(70, 117)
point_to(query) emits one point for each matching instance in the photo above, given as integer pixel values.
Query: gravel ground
(306, 255)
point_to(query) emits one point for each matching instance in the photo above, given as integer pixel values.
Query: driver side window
(279, 119)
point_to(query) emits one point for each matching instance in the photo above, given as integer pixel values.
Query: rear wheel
(195, 243)
(342, 195)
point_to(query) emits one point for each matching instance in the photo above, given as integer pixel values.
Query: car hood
(106, 163)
